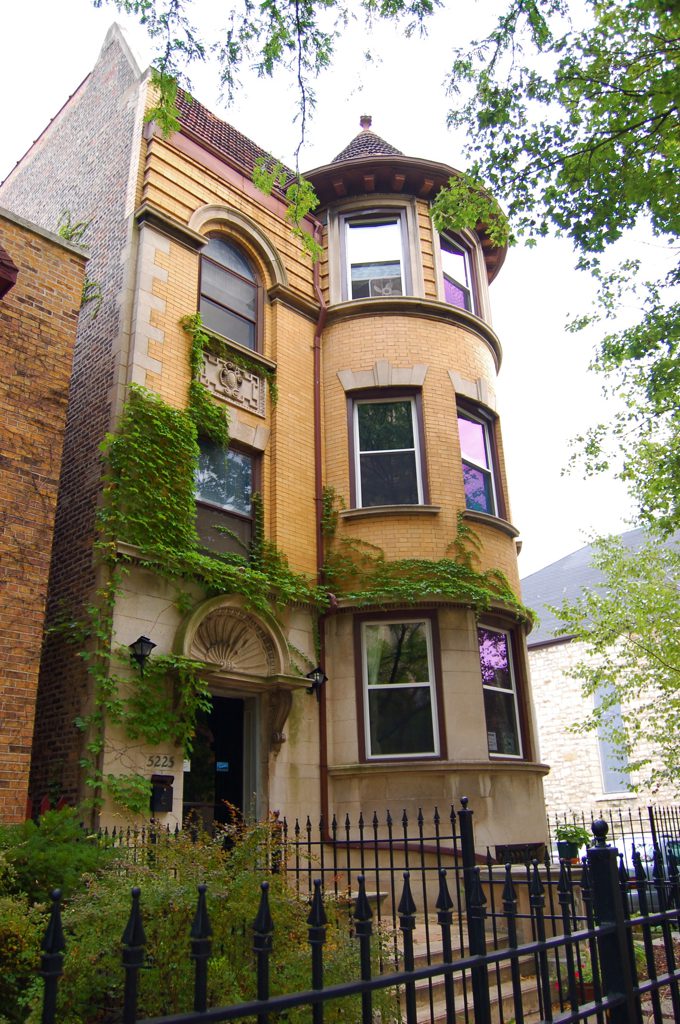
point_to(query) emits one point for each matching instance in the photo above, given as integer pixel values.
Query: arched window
(229, 301)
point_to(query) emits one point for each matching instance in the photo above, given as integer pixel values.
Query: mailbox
(161, 792)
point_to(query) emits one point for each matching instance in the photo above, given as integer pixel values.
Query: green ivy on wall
(149, 502)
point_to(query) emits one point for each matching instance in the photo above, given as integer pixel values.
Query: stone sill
(484, 519)
(390, 510)
(435, 765)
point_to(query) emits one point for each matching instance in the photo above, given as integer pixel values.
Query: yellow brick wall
(407, 341)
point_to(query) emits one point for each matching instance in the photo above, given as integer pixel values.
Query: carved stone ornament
(232, 383)
(280, 703)
(231, 639)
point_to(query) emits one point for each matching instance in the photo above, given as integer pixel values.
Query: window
(477, 456)
(229, 295)
(613, 767)
(399, 693)
(387, 452)
(224, 493)
(374, 254)
(500, 692)
(457, 272)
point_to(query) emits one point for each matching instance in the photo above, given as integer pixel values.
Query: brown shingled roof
(220, 136)
(366, 143)
(8, 272)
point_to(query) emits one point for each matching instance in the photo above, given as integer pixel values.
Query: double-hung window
(388, 461)
(225, 482)
(229, 295)
(478, 464)
(457, 273)
(500, 692)
(400, 711)
(374, 254)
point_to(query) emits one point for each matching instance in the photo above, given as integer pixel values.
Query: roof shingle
(366, 143)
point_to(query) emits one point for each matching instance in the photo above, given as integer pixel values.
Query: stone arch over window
(218, 219)
(234, 641)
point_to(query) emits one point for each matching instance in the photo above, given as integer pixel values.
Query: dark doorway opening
(213, 786)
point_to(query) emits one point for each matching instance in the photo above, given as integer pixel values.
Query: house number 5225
(160, 761)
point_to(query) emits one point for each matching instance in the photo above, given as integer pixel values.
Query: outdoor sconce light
(140, 651)
(318, 677)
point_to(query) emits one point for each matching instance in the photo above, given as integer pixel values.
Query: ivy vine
(360, 573)
(203, 341)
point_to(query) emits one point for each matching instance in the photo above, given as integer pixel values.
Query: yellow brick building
(364, 446)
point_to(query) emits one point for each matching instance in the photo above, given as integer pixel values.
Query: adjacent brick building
(41, 279)
(384, 440)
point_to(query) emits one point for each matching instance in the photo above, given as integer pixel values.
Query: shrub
(21, 931)
(92, 986)
(56, 852)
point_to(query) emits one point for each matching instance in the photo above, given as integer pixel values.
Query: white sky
(545, 396)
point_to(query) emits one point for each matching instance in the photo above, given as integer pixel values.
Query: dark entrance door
(213, 787)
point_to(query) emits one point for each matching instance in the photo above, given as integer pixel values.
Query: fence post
(407, 923)
(134, 941)
(613, 947)
(263, 928)
(316, 934)
(475, 912)
(201, 945)
(363, 930)
(52, 960)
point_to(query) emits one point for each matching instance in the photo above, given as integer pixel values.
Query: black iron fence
(470, 940)
(640, 829)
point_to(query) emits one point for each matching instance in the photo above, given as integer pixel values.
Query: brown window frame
(259, 299)
(468, 255)
(229, 515)
(489, 421)
(437, 689)
(500, 624)
(396, 213)
(386, 394)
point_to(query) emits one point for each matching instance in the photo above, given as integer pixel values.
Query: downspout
(318, 499)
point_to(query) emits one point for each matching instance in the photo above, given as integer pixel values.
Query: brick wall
(38, 319)
(84, 163)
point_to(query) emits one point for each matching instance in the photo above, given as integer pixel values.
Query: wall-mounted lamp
(318, 677)
(140, 651)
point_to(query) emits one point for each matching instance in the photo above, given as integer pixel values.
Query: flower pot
(567, 850)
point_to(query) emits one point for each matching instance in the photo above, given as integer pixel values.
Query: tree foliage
(631, 629)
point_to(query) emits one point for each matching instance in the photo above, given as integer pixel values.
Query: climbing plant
(203, 341)
(363, 576)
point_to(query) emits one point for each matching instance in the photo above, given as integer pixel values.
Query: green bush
(55, 853)
(21, 931)
(92, 986)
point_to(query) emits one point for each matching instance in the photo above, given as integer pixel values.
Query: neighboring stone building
(585, 773)
(41, 279)
(364, 447)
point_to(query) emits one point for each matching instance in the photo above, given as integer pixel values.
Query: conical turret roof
(366, 143)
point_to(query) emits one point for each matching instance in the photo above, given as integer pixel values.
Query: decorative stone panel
(230, 382)
(383, 375)
(234, 641)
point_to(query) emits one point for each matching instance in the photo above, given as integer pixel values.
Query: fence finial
(134, 936)
(599, 829)
(444, 902)
(407, 906)
(362, 908)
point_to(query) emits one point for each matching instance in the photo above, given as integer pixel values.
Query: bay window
(399, 694)
(387, 453)
(500, 692)
(478, 462)
(374, 246)
(457, 273)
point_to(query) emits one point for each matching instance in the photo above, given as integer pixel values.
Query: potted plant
(570, 839)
